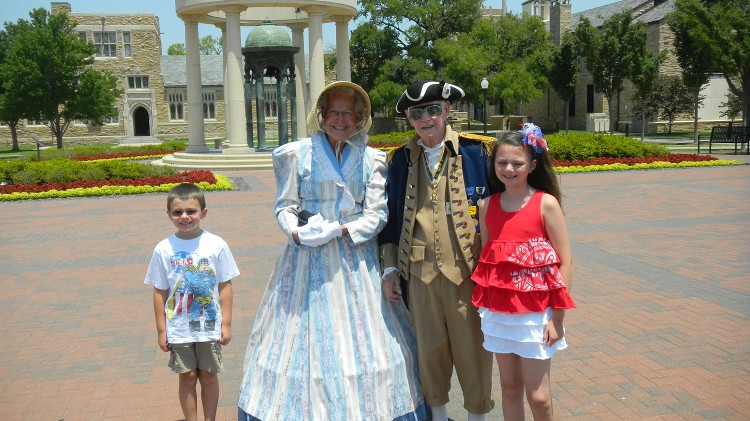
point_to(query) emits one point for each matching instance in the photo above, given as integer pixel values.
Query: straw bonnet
(315, 120)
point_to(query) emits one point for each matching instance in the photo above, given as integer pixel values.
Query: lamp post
(485, 85)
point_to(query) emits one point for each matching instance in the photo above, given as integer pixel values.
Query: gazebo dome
(268, 35)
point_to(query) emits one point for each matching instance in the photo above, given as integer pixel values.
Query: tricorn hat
(428, 91)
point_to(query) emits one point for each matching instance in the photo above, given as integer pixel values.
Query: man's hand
(392, 286)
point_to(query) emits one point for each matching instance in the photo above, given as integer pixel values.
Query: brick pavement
(661, 281)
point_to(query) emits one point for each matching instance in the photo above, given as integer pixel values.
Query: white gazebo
(229, 16)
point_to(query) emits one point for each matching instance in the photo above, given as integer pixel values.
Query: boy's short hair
(186, 191)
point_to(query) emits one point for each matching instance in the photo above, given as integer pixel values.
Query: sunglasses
(189, 212)
(433, 110)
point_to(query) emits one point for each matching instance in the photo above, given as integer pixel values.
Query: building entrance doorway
(141, 126)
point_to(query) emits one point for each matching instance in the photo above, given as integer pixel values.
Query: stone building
(589, 110)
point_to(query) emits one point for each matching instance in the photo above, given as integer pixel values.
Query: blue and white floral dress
(326, 344)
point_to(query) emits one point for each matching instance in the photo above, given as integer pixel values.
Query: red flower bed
(121, 155)
(674, 158)
(193, 176)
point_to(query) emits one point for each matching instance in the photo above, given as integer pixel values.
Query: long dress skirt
(327, 345)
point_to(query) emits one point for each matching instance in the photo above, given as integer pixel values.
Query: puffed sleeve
(375, 206)
(288, 202)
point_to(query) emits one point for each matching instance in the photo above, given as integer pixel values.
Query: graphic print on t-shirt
(193, 295)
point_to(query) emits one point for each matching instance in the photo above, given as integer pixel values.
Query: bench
(9, 157)
(738, 135)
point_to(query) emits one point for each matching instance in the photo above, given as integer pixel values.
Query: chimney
(559, 19)
(59, 6)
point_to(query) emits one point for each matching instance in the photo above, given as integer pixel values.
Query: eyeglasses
(433, 110)
(189, 212)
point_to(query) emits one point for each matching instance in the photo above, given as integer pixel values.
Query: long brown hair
(542, 178)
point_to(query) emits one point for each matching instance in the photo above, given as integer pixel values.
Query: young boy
(192, 272)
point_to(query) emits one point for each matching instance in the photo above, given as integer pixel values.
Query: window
(589, 98)
(106, 44)
(82, 35)
(138, 82)
(271, 104)
(176, 102)
(209, 105)
(126, 50)
(572, 106)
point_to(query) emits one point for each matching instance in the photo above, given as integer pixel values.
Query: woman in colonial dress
(326, 344)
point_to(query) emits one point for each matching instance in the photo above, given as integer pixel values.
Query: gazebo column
(317, 70)
(260, 107)
(343, 61)
(235, 98)
(223, 27)
(196, 130)
(249, 108)
(281, 101)
(300, 82)
(293, 104)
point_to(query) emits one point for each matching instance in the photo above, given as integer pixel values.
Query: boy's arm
(225, 298)
(160, 299)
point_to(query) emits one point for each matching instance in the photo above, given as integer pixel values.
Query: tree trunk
(695, 116)
(643, 120)
(746, 101)
(611, 115)
(14, 135)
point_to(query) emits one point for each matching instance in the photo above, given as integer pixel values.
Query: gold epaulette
(392, 152)
(487, 141)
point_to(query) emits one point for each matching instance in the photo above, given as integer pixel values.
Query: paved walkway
(662, 328)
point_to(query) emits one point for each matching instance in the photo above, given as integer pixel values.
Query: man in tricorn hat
(430, 246)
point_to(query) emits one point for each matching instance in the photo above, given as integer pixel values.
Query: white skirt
(520, 334)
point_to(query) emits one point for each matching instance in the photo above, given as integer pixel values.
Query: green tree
(732, 106)
(611, 54)
(693, 49)
(11, 111)
(673, 98)
(563, 75)
(210, 45)
(369, 48)
(644, 79)
(329, 60)
(47, 70)
(177, 49)
(395, 75)
(514, 54)
(419, 24)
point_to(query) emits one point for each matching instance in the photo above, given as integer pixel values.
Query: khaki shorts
(204, 356)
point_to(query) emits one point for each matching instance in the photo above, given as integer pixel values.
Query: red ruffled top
(518, 270)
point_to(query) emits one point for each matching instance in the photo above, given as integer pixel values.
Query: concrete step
(215, 160)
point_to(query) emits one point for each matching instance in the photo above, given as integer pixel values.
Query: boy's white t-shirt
(191, 270)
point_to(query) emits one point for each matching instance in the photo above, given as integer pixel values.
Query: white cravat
(432, 153)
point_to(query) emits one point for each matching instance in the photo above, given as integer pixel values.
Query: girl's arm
(483, 203)
(554, 222)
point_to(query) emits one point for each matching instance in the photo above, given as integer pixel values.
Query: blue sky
(172, 28)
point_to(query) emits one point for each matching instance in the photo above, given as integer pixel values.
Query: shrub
(63, 170)
(391, 139)
(581, 146)
(111, 149)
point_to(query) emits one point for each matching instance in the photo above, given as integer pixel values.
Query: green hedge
(394, 138)
(565, 147)
(61, 170)
(576, 146)
(97, 150)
